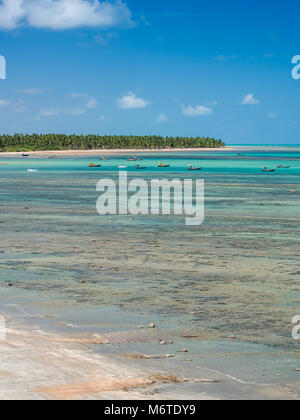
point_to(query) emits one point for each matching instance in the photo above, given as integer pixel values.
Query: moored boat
(161, 165)
(140, 167)
(93, 165)
(194, 168)
(134, 159)
(268, 170)
(283, 166)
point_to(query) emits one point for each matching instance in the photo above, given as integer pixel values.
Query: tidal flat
(79, 291)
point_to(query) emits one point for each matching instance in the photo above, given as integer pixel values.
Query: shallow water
(226, 290)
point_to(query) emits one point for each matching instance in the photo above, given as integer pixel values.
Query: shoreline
(100, 152)
(116, 152)
(39, 365)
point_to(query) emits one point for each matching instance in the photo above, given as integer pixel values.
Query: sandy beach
(120, 152)
(100, 152)
(40, 366)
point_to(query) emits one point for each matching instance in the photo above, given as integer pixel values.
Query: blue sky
(192, 68)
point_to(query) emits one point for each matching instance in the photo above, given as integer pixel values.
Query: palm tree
(22, 142)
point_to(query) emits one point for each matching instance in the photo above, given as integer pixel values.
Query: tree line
(43, 142)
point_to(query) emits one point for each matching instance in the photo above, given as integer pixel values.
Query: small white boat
(123, 167)
(31, 170)
(194, 168)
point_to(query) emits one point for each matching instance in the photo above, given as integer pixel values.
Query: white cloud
(196, 111)
(272, 115)
(17, 106)
(63, 14)
(4, 103)
(49, 112)
(222, 57)
(79, 111)
(162, 118)
(79, 95)
(91, 103)
(131, 101)
(11, 14)
(213, 103)
(250, 100)
(32, 91)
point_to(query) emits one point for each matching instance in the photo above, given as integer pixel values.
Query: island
(63, 142)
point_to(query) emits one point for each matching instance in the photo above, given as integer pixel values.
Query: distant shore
(101, 152)
(116, 152)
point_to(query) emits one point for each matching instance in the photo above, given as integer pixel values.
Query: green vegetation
(41, 142)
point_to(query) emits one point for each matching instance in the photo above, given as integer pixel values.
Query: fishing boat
(25, 155)
(161, 165)
(268, 170)
(134, 159)
(122, 167)
(195, 168)
(93, 165)
(140, 167)
(283, 166)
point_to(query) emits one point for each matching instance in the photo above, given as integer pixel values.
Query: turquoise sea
(226, 291)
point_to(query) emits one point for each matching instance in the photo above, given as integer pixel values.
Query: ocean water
(227, 290)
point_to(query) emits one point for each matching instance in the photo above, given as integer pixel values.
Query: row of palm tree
(32, 142)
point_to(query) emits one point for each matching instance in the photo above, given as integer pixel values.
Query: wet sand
(40, 366)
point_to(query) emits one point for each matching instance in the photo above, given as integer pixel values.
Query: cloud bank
(131, 101)
(32, 91)
(90, 103)
(162, 118)
(4, 103)
(250, 100)
(63, 14)
(197, 111)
